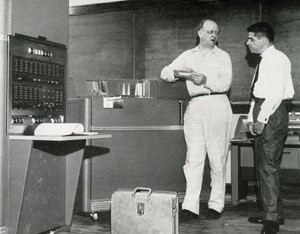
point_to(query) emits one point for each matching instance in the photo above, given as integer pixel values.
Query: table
(236, 145)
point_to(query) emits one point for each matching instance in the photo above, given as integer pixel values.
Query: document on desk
(59, 129)
(242, 132)
(238, 139)
(244, 126)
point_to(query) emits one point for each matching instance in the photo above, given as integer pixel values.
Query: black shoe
(259, 220)
(212, 214)
(270, 227)
(186, 215)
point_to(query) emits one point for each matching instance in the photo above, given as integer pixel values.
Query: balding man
(207, 120)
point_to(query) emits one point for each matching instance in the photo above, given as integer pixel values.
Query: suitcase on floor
(143, 211)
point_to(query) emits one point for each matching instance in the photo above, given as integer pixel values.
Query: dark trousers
(268, 149)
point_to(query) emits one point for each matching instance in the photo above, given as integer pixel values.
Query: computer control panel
(37, 77)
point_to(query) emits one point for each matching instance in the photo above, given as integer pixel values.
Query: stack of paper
(59, 129)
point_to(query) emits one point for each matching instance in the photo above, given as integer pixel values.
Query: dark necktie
(256, 77)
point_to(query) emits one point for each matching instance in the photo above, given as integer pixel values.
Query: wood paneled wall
(40, 18)
(167, 32)
(137, 43)
(285, 16)
(101, 47)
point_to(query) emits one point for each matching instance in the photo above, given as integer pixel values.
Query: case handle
(142, 189)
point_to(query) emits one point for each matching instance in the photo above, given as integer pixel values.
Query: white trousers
(207, 130)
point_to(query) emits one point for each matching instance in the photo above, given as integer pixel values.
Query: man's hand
(258, 127)
(198, 78)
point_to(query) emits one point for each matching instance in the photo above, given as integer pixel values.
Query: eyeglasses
(210, 32)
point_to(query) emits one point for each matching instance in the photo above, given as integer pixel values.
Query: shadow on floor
(234, 219)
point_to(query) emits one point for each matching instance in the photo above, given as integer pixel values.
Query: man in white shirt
(207, 120)
(268, 120)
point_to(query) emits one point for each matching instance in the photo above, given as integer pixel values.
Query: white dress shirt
(274, 83)
(216, 66)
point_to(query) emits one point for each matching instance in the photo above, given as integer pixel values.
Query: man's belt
(207, 94)
(261, 100)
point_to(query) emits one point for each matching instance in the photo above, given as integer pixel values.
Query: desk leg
(43, 178)
(235, 174)
(73, 165)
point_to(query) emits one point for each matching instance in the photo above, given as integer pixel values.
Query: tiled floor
(234, 219)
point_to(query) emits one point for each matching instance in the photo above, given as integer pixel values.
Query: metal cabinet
(147, 148)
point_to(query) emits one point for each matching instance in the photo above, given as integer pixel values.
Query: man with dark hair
(262, 28)
(207, 120)
(271, 91)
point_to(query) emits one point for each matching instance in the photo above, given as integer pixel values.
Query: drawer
(247, 159)
(290, 159)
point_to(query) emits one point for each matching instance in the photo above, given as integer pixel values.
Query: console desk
(43, 174)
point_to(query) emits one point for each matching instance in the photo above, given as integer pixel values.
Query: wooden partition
(167, 32)
(101, 47)
(135, 41)
(138, 43)
(285, 16)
